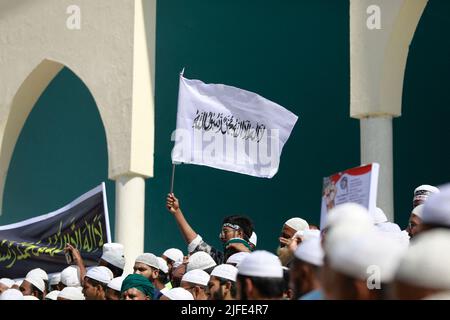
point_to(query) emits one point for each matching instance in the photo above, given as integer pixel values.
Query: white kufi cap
(200, 260)
(100, 274)
(261, 263)
(178, 294)
(196, 276)
(225, 271)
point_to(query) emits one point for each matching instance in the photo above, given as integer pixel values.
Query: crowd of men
(357, 255)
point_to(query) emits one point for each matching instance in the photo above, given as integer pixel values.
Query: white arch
(378, 61)
(21, 106)
(113, 54)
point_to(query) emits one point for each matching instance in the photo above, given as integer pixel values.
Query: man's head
(172, 256)
(177, 294)
(113, 258)
(33, 286)
(436, 211)
(290, 227)
(236, 227)
(422, 193)
(415, 221)
(305, 269)
(95, 282)
(260, 276)
(362, 267)
(5, 284)
(54, 282)
(237, 258)
(38, 272)
(113, 289)
(200, 260)
(137, 287)
(222, 283)
(423, 270)
(11, 294)
(70, 277)
(147, 265)
(196, 282)
(163, 275)
(70, 293)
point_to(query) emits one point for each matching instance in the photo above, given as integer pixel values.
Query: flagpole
(173, 178)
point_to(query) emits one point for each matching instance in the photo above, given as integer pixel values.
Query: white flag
(230, 129)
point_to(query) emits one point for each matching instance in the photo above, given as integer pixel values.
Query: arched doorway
(60, 150)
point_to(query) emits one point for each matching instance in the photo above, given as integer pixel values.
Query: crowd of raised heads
(358, 255)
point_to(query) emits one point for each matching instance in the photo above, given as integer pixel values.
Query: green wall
(420, 134)
(293, 52)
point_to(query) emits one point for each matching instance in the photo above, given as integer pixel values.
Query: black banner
(39, 242)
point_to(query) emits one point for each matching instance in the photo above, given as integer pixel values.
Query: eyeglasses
(225, 232)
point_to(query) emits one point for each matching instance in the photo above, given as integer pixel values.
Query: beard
(285, 255)
(218, 295)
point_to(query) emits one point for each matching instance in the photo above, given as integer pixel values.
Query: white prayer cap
(379, 216)
(225, 271)
(262, 264)
(237, 258)
(174, 254)
(355, 257)
(113, 247)
(297, 224)
(436, 209)
(18, 283)
(179, 294)
(162, 265)
(196, 276)
(418, 211)
(38, 272)
(30, 298)
(306, 234)
(427, 187)
(200, 260)
(426, 263)
(346, 221)
(101, 274)
(310, 251)
(71, 293)
(114, 259)
(52, 295)
(116, 283)
(347, 213)
(253, 239)
(393, 231)
(36, 281)
(55, 279)
(11, 294)
(422, 193)
(70, 277)
(7, 282)
(388, 227)
(148, 259)
(113, 253)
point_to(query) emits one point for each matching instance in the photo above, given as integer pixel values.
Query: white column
(130, 217)
(377, 146)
